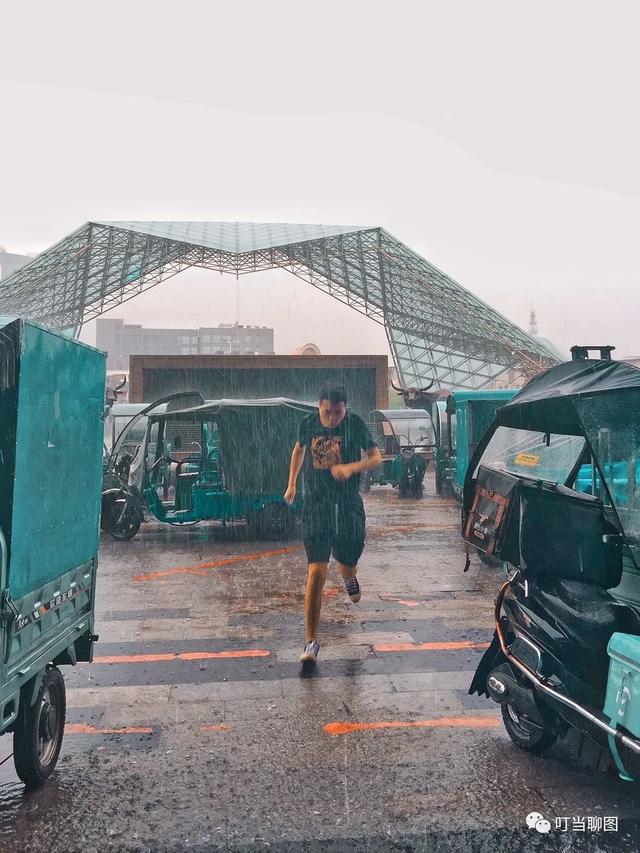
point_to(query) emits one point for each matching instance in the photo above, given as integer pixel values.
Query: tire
(125, 528)
(416, 490)
(105, 512)
(524, 734)
(273, 521)
(37, 736)
(404, 486)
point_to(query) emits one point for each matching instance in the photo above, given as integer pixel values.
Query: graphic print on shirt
(326, 451)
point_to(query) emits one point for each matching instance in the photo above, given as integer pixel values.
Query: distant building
(120, 341)
(633, 359)
(307, 349)
(10, 262)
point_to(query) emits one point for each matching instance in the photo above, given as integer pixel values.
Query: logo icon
(537, 821)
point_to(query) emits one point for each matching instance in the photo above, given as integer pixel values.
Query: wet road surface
(194, 729)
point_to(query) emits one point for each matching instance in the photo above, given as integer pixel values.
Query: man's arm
(373, 460)
(297, 458)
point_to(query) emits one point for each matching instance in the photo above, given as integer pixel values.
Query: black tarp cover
(547, 403)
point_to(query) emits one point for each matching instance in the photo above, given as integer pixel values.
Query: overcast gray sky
(498, 139)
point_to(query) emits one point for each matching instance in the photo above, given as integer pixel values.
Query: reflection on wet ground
(195, 729)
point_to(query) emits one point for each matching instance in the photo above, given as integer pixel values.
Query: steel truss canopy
(439, 333)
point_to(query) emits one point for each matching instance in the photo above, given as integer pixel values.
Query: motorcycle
(553, 492)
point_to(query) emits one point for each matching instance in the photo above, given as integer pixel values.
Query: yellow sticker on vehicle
(527, 460)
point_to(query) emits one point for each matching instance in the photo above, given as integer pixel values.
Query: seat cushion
(587, 616)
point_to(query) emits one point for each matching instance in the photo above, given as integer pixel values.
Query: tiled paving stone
(238, 752)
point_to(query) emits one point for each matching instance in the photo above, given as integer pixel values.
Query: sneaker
(353, 589)
(310, 652)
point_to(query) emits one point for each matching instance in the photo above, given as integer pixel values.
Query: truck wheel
(37, 735)
(523, 733)
(416, 490)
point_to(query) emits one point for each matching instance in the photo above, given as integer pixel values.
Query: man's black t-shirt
(328, 447)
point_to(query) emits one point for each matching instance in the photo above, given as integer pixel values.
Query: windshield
(414, 431)
(538, 455)
(612, 425)
(115, 424)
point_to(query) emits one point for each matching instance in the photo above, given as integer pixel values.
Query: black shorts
(334, 528)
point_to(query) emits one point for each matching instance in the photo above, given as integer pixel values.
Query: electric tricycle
(461, 419)
(553, 491)
(221, 460)
(405, 438)
(52, 392)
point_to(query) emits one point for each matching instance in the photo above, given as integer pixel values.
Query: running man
(333, 517)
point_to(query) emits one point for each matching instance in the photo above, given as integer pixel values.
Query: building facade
(120, 341)
(298, 377)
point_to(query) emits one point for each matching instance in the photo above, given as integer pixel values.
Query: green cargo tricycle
(51, 405)
(222, 460)
(461, 421)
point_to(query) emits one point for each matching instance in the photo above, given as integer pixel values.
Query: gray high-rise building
(120, 340)
(10, 262)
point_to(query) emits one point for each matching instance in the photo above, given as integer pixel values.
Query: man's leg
(317, 537)
(349, 545)
(316, 577)
(350, 581)
(347, 571)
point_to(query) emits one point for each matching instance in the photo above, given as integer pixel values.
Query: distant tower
(533, 322)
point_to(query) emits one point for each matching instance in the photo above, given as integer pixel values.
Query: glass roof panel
(236, 237)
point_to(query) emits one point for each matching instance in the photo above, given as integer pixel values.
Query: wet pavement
(195, 729)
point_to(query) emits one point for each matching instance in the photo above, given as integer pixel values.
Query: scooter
(553, 492)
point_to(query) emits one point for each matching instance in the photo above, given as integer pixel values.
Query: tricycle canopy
(403, 428)
(252, 439)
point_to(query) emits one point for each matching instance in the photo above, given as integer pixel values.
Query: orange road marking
(428, 647)
(84, 729)
(411, 528)
(169, 656)
(404, 601)
(484, 722)
(221, 728)
(202, 568)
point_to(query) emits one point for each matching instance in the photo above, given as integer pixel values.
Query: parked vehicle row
(549, 479)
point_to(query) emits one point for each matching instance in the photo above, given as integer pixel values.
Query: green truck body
(51, 429)
(461, 421)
